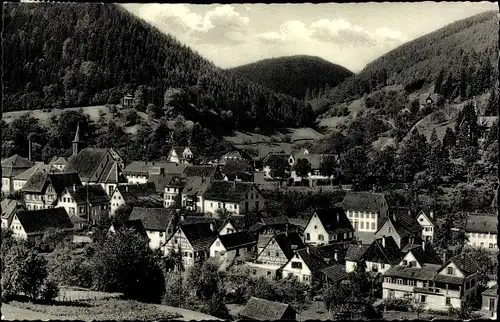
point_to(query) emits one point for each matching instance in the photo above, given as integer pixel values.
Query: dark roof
(237, 240)
(38, 221)
(264, 310)
(426, 212)
(134, 192)
(298, 222)
(240, 223)
(232, 167)
(227, 191)
(200, 236)
(404, 222)
(190, 220)
(200, 171)
(427, 256)
(422, 99)
(163, 181)
(41, 179)
(86, 164)
(356, 252)
(465, 263)
(314, 159)
(287, 243)
(144, 168)
(10, 207)
(230, 156)
(312, 258)
(153, 218)
(196, 186)
(95, 193)
(271, 158)
(61, 181)
(425, 273)
(135, 225)
(482, 224)
(334, 220)
(449, 279)
(362, 201)
(275, 221)
(377, 253)
(335, 273)
(14, 165)
(25, 175)
(492, 291)
(328, 251)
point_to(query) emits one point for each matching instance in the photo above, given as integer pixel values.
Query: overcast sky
(351, 35)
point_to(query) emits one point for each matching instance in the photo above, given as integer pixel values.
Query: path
(10, 313)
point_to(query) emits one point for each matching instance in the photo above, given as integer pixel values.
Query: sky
(351, 35)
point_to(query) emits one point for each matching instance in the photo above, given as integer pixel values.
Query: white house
(482, 231)
(9, 208)
(426, 220)
(365, 210)
(235, 197)
(89, 202)
(142, 171)
(273, 159)
(419, 255)
(11, 167)
(382, 254)
(229, 248)
(130, 193)
(192, 242)
(304, 265)
(355, 257)
(173, 191)
(235, 224)
(327, 226)
(21, 179)
(181, 155)
(193, 192)
(158, 223)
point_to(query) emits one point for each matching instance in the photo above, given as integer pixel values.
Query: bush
(49, 291)
(397, 305)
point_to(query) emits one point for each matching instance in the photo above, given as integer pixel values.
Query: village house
(235, 224)
(142, 171)
(130, 193)
(326, 226)
(181, 154)
(237, 171)
(43, 188)
(425, 219)
(258, 309)
(402, 226)
(382, 254)
(205, 171)
(419, 255)
(59, 163)
(354, 259)
(11, 167)
(365, 210)
(279, 249)
(134, 225)
(172, 194)
(315, 175)
(232, 248)
(193, 192)
(436, 287)
(89, 202)
(127, 100)
(21, 179)
(482, 231)
(192, 242)
(272, 160)
(234, 197)
(334, 253)
(305, 265)
(32, 225)
(333, 275)
(9, 208)
(231, 156)
(158, 222)
(428, 100)
(267, 227)
(490, 302)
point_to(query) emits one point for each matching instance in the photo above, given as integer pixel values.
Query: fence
(75, 294)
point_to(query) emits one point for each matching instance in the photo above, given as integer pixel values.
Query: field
(92, 111)
(331, 122)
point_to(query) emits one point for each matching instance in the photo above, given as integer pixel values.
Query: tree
(279, 169)
(354, 167)
(381, 165)
(302, 168)
(449, 138)
(329, 167)
(438, 82)
(411, 158)
(125, 263)
(437, 163)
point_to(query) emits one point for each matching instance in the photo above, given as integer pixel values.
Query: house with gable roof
(267, 227)
(21, 179)
(355, 257)
(305, 265)
(326, 226)
(235, 224)
(43, 188)
(258, 309)
(425, 219)
(427, 100)
(142, 171)
(192, 242)
(235, 197)
(382, 254)
(366, 210)
(402, 226)
(231, 156)
(11, 167)
(419, 255)
(181, 154)
(158, 223)
(482, 231)
(229, 248)
(135, 225)
(9, 208)
(32, 225)
(490, 301)
(237, 171)
(279, 249)
(130, 193)
(333, 275)
(193, 193)
(59, 163)
(172, 190)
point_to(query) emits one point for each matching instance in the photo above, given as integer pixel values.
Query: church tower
(77, 143)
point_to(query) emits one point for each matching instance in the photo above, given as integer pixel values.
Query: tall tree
(411, 158)
(302, 168)
(354, 165)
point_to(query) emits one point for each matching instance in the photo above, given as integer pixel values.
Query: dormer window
(449, 270)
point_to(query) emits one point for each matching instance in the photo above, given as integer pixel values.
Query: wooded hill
(303, 77)
(59, 55)
(459, 59)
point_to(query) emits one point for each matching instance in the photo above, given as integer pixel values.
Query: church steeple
(77, 143)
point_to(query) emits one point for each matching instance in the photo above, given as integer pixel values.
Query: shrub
(49, 291)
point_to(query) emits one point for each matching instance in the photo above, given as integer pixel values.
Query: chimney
(212, 228)
(423, 245)
(74, 187)
(30, 149)
(335, 256)
(126, 188)
(394, 216)
(286, 230)
(445, 256)
(338, 217)
(383, 241)
(431, 213)
(308, 249)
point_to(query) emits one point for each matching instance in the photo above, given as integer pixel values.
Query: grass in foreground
(102, 309)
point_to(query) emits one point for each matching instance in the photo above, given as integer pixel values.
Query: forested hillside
(303, 77)
(93, 54)
(459, 59)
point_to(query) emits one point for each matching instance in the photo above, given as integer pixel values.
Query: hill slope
(294, 75)
(59, 55)
(465, 51)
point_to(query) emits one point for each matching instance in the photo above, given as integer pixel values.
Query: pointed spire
(77, 134)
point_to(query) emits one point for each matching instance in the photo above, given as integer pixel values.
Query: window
(334, 236)
(382, 266)
(175, 240)
(422, 298)
(268, 253)
(391, 294)
(374, 267)
(81, 210)
(321, 237)
(389, 229)
(411, 283)
(297, 265)
(277, 254)
(235, 207)
(356, 215)
(399, 281)
(249, 249)
(217, 243)
(315, 227)
(306, 278)
(308, 236)
(345, 235)
(362, 215)
(373, 216)
(362, 225)
(372, 226)
(491, 245)
(449, 271)
(388, 280)
(229, 231)
(219, 205)
(350, 215)
(448, 301)
(413, 264)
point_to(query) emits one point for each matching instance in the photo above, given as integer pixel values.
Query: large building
(234, 197)
(482, 231)
(11, 167)
(326, 226)
(366, 210)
